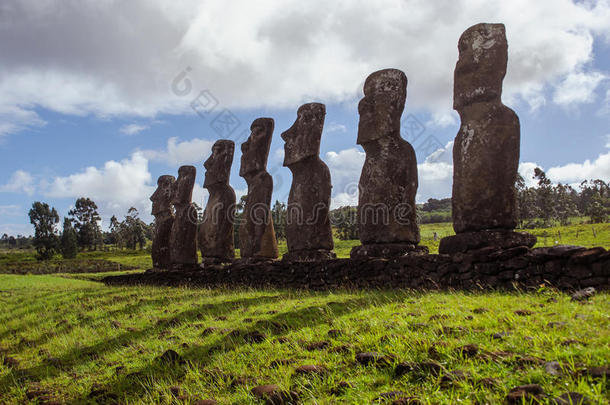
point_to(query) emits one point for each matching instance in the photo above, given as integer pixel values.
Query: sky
(98, 98)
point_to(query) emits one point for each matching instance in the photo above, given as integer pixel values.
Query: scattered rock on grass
(255, 337)
(525, 394)
(584, 294)
(500, 335)
(374, 358)
(468, 351)
(317, 346)
(554, 325)
(206, 402)
(523, 312)
(335, 333)
(553, 368)
(10, 362)
(570, 342)
(598, 372)
(170, 357)
(310, 369)
(454, 376)
(490, 382)
(281, 362)
(480, 310)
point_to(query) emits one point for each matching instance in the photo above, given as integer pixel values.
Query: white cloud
(577, 88)
(526, 170)
(10, 210)
(133, 129)
(115, 187)
(576, 172)
(194, 151)
(16, 118)
(435, 174)
(266, 55)
(20, 182)
(608, 141)
(335, 127)
(16, 229)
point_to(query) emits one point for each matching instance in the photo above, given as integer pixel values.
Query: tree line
(81, 230)
(541, 205)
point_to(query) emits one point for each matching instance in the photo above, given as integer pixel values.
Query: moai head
(218, 165)
(182, 190)
(303, 137)
(161, 198)
(256, 149)
(481, 65)
(385, 92)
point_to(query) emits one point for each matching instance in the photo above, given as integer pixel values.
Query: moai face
(182, 190)
(481, 65)
(303, 137)
(256, 149)
(385, 92)
(218, 165)
(162, 196)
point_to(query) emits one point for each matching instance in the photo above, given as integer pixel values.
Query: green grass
(71, 337)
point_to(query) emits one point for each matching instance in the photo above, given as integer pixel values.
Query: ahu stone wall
(563, 267)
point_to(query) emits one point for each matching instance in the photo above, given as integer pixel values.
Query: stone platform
(564, 267)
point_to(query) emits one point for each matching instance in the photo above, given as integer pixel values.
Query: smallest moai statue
(216, 235)
(183, 242)
(164, 219)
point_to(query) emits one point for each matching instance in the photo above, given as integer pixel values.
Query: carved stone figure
(216, 239)
(486, 148)
(164, 219)
(184, 230)
(308, 231)
(388, 183)
(256, 233)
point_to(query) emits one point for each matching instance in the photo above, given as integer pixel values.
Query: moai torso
(256, 233)
(486, 148)
(184, 228)
(388, 183)
(164, 219)
(307, 224)
(216, 236)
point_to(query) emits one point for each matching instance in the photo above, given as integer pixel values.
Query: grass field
(75, 341)
(67, 339)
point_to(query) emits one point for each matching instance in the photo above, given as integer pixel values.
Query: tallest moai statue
(486, 148)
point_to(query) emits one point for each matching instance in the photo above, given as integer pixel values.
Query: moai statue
(164, 219)
(308, 231)
(256, 234)
(388, 183)
(216, 238)
(486, 148)
(184, 230)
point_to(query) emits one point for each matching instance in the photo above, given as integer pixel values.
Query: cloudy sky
(98, 98)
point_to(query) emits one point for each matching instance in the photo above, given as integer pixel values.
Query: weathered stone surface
(164, 219)
(486, 149)
(387, 250)
(308, 232)
(256, 234)
(183, 245)
(388, 182)
(216, 236)
(499, 239)
(422, 272)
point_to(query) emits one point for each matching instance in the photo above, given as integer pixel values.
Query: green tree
(345, 221)
(133, 230)
(545, 197)
(69, 241)
(44, 219)
(598, 208)
(86, 222)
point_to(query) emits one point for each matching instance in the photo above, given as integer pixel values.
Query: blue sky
(92, 102)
